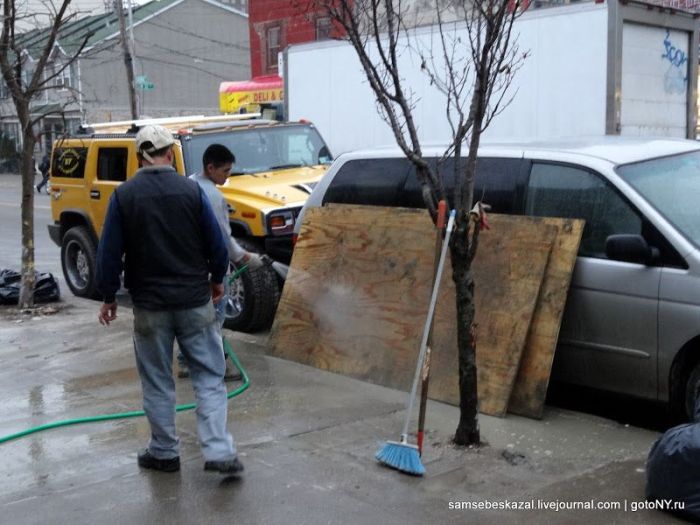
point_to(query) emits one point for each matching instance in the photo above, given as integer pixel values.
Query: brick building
(275, 24)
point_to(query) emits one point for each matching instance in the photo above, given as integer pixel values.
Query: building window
(273, 40)
(26, 76)
(9, 139)
(323, 28)
(62, 80)
(65, 78)
(50, 71)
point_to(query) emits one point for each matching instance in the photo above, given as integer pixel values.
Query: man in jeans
(217, 162)
(174, 264)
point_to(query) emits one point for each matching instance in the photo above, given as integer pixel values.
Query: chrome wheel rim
(77, 265)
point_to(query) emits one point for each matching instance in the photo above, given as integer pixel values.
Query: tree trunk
(26, 293)
(467, 432)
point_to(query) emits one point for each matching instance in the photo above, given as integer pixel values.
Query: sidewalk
(307, 439)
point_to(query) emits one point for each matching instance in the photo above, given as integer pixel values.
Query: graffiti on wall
(676, 77)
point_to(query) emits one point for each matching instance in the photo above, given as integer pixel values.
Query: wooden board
(508, 271)
(356, 292)
(356, 298)
(530, 390)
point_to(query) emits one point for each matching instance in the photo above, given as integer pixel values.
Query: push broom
(402, 455)
(425, 373)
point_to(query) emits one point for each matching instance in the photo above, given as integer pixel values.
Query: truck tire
(253, 297)
(78, 262)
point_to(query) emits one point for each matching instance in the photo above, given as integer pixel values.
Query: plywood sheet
(357, 292)
(531, 383)
(508, 271)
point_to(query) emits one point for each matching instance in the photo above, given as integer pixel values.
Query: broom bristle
(401, 456)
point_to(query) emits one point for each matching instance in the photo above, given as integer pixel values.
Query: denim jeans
(199, 338)
(220, 311)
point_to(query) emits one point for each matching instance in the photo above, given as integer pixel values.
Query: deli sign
(249, 95)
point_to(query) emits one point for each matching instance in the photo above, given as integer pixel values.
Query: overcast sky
(84, 6)
(98, 6)
(39, 8)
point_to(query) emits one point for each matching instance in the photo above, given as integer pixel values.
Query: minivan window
(394, 182)
(672, 186)
(495, 183)
(563, 191)
(375, 182)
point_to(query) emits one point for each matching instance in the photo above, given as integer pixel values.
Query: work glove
(253, 260)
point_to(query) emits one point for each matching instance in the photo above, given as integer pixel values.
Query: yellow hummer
(277, 165)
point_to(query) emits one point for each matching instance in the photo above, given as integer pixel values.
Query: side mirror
(630, 248)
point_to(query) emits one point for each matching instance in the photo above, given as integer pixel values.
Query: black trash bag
(8, 277)
(673, 469)
(46, 287)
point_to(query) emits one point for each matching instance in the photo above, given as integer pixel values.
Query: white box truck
(612, 68)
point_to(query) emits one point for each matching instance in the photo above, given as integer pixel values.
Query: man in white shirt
(217, 162)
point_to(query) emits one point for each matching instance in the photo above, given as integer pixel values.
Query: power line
(182, 30)
(185, 66)
(194, 57)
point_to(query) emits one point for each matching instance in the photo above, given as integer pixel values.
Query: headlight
(280, 222)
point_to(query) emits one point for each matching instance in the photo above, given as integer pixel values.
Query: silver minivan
(632, 320)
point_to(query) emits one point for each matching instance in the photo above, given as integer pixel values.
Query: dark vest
(164, 267)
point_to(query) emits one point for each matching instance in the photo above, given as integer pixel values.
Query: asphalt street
(47, 259)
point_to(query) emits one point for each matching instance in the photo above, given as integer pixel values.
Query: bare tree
(472, 60)
(19, 33)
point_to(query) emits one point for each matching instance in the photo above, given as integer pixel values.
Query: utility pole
(128, 61)
(139, 100)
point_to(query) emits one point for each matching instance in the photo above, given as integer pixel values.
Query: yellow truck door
(111, 162)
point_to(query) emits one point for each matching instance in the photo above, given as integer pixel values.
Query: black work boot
(147, 460)
(232, 466)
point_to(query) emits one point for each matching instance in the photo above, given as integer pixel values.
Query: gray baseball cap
(152, 138)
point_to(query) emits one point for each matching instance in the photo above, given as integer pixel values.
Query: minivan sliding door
(608, 337)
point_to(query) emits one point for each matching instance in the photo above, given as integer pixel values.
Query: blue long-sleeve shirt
(169, 243)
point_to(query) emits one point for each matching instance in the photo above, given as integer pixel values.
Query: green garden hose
(135, 413)
(139, 413)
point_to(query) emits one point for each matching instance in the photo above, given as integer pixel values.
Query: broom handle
(425, 373)
(428, 322)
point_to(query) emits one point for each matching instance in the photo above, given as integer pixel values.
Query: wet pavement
(306, 437)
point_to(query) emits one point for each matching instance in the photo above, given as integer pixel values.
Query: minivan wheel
(691, 391)
(252, 299)
(78, 262)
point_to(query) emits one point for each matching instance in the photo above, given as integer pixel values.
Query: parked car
(632, 319)
(277, 165)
